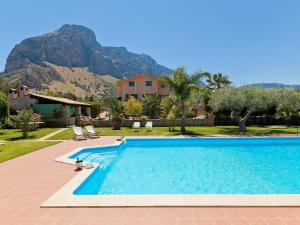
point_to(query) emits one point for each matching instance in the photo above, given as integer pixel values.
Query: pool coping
(64, 197)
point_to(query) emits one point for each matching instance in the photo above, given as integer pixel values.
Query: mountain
(58, 79)
(76, 46)
(274, 85)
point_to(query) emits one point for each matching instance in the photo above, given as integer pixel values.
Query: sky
(250, 41)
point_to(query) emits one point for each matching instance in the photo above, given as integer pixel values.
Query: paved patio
(26, 182)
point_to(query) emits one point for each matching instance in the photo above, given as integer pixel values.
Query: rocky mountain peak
(76, 46)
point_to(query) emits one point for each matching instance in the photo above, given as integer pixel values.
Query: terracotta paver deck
(26, 182)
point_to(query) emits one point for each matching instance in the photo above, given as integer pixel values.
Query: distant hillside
(59, 79)
(76, 46)
(275, 85)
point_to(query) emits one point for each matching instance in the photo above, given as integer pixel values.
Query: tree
(181, 85)
(5, 85)
(288, 104)
(133, 107)
(96, 108)
(4, 108)
(242, 102)
(151, 104)
(217, 81)
(166, 106)
(26, 120)
(172, 117)
(116, 109)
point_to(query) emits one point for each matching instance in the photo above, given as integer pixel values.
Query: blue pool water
(195, 166)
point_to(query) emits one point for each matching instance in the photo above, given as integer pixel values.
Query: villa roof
(59, 99)
(137, 76)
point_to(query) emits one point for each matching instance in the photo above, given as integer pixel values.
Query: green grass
(15, 149)
(15, 134)
(201, 130)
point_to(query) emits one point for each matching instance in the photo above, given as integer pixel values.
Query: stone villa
(55, 111)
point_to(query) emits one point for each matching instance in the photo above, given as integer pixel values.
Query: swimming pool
(188, 166)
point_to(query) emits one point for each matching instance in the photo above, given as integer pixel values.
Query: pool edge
(64, 197)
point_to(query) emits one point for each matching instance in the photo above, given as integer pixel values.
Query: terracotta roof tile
(58, 99)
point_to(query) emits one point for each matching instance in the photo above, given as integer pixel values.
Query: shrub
(172, 117)
(166, 106)
(133, 107)
(26, 121)
(116, 109)
(4, 108)
(96, 108)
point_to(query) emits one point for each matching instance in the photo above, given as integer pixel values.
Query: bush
(26, 121)
(133, 107)
(4, 108)
(116, 109)
(96, 108)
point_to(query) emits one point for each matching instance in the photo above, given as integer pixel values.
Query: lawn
(15, 134)
(201, 130)
(15, 149)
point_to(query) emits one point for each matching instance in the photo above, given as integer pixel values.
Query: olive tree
(26, 120)
(242, 102)
(288, 104)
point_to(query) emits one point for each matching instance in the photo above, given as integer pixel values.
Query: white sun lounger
(136, 125)
(91, 132)
(78, 134)
(149, 125)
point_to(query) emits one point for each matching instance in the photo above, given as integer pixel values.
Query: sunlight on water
(195, 166)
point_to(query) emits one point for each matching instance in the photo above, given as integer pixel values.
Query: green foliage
(191, 130)
(217, 81)
(151, 104)
(16, 134)
(172, 117)
(68, 95)
(288, 104)
(26, 121)
(5, 85)
(133, 107)
(198, 102)
(4, 108)
(242, 102)
(166, 106)
(181, 86)
(96, 108)
(116, 109)
(15, 149)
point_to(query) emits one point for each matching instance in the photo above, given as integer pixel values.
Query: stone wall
(21, 101)
(157, 123)
(58, 122)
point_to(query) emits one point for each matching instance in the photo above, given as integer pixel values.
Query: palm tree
(217, 81)
(181, 86)
(116, 109)
(151, 104)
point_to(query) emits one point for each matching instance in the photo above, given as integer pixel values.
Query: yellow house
(140, 84)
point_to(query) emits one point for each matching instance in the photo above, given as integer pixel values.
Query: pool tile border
(65, 197)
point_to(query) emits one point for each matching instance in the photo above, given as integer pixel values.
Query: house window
(148, 83)
(131, 84)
